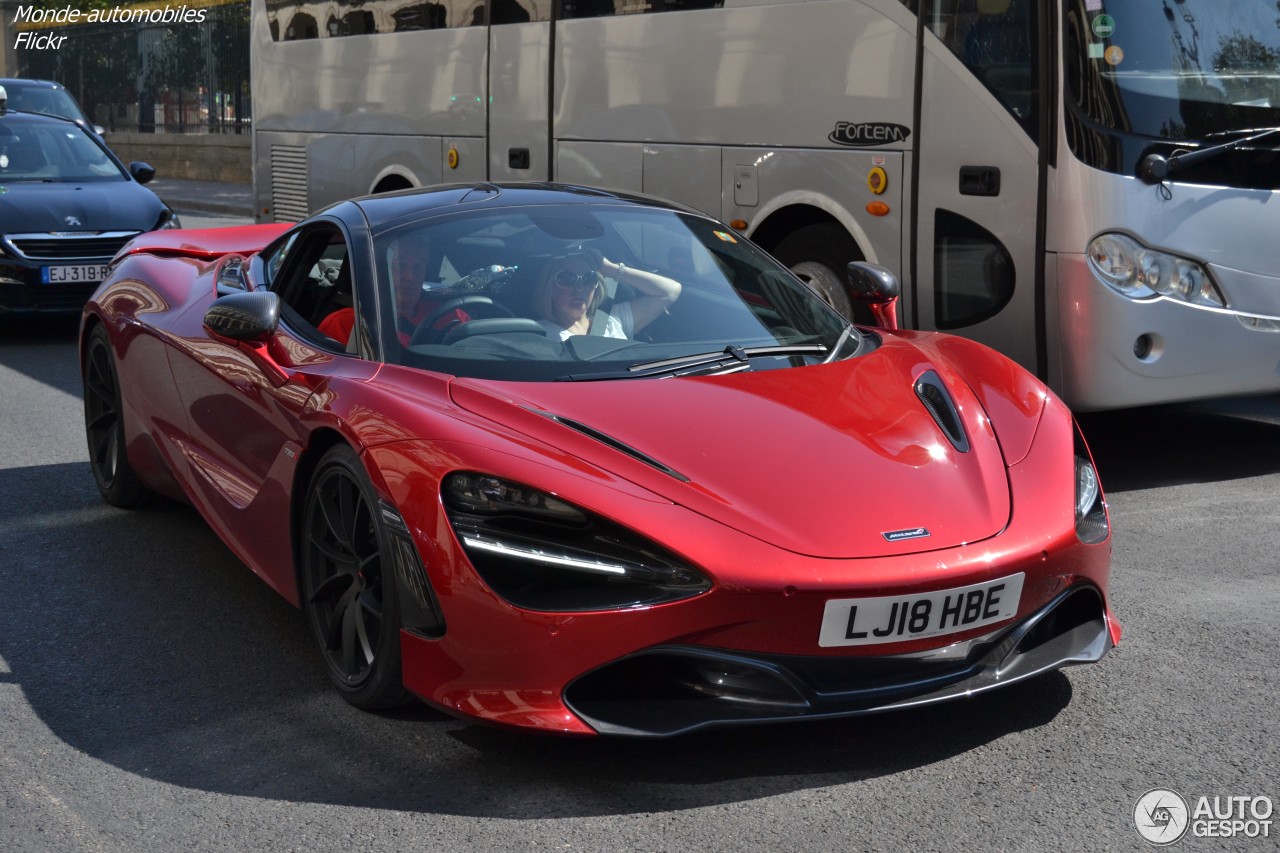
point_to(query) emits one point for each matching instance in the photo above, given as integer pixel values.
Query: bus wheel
(819, 254)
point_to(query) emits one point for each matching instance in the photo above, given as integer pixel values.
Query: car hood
(34, 207)
(838, 460)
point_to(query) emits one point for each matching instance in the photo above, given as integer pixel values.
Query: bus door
(979, 208)
(519, 90)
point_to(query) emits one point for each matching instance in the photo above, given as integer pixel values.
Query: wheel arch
(791, 212)
(321, 440)
(392, 178)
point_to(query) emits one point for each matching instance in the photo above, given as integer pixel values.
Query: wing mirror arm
(878, 288)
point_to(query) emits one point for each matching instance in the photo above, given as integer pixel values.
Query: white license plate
(898, 618)
(72, 274)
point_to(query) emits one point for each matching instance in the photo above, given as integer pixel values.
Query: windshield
(580, 292)
(53, 153)
(43, 99)
(1175, 69)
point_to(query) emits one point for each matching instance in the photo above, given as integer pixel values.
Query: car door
(248, 404)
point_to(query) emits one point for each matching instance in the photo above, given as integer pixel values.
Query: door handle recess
(979, 180)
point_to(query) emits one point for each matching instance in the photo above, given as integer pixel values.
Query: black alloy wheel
(348, 583)
(104, 425)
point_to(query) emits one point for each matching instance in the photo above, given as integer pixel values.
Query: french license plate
(83, 273)
(897, 618)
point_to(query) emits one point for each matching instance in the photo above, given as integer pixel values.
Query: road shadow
(44, 348)
(138, 639)
(1207, 442)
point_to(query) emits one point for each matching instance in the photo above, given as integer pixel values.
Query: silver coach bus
(1090, 186)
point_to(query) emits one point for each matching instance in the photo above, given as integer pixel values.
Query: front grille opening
(1081, 612)
(662, 693)
(51, 247)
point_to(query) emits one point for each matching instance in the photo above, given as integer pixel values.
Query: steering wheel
(427, 333)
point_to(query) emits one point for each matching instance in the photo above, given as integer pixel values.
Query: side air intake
(933, 394)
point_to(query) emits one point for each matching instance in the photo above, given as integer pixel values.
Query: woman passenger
(572, 288)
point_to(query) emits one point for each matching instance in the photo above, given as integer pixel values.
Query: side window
(313, 280)
(608, 8)
(973, 272)
(294, 20)
(996, 39)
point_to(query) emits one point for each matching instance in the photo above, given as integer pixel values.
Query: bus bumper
(1116, 352)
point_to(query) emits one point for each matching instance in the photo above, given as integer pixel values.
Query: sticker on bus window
(1104, 26)
(1113, 55)
(1093, 5)
(725, 236)
(1095, 49)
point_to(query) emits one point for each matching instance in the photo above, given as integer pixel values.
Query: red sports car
(557, 458)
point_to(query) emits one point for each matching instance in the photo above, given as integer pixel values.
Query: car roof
(387, 209)
(30, 81)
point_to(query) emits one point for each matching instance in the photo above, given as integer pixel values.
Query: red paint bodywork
(793, 477)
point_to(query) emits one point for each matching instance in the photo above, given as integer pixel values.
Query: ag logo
(71, 221)
(1161, 816)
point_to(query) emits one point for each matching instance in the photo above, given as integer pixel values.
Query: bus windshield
(1175, 69)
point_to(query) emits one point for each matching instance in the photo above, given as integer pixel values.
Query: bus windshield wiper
(728, 360)
(1154, 168)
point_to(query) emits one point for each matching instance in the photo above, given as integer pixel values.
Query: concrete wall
(194, 156)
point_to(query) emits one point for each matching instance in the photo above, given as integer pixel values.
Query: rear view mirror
(249, 316)
(142, 172)
(878, 288)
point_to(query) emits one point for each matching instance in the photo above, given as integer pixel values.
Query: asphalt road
(155, 696)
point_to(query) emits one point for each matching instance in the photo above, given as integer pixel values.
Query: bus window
(973, 272)
(608, 8)
(996, 40)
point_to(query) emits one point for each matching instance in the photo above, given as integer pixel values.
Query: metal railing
(174, 78)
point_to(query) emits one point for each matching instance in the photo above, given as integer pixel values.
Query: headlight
(168, 221)
(541, 553)
(1135, 271)
(1092, 524)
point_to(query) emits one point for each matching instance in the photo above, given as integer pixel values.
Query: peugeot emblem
(72, 221)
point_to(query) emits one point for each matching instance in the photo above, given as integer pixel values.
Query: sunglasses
(570, 280)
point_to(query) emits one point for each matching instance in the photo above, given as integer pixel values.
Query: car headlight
(1135, 271)
(168, 221)
(1092, 524)
(541, 553)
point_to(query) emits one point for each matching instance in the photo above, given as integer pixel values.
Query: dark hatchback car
(67, 205)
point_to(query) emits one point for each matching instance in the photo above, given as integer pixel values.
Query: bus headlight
(1133, 270)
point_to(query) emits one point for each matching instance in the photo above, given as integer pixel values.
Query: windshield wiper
(728, 360)
(1154, 168)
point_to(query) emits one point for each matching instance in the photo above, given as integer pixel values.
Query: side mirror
(247, 316)
(142, 172)
(878, 288)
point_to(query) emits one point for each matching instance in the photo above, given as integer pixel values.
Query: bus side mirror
(877, 288)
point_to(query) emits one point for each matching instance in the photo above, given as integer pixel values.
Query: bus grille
(96, 246)
(288, 183)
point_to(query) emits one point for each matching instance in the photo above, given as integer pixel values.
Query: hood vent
(604, 438)
(933, 394)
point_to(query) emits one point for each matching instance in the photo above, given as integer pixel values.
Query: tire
(820, 254)
(104, 426)
(348, 583)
